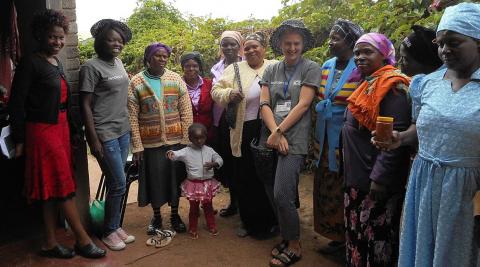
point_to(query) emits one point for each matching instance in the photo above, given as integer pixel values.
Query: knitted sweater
(159, 121)
(221, 95)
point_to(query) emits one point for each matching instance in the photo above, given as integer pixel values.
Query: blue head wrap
(463, 18)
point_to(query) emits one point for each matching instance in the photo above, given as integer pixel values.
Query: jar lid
(385, 119)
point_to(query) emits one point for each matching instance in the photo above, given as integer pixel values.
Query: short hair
(197, 126)
(42, 23)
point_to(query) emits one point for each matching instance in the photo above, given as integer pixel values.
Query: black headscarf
(101, 26)
(420, 46)
(349, 30)
(195, 56)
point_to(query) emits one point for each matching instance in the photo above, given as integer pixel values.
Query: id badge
(283, 107)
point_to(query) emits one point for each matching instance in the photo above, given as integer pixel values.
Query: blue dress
(438, 222)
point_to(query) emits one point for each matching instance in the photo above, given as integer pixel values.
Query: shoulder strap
(237, 76)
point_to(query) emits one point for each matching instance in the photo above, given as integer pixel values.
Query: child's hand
(170, 155)
(209, 165)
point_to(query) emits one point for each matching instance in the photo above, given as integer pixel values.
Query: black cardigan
(35, 95)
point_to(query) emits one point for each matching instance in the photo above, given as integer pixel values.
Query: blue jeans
(115, 154)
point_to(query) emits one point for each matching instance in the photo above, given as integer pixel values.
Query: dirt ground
(226, 249)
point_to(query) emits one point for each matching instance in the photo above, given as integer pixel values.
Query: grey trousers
(285, 194)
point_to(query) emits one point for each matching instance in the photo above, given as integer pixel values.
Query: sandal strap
(287, 257)
(280, 247)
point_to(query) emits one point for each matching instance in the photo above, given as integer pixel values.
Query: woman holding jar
(374, 179)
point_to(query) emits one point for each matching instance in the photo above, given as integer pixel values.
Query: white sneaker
(124, 236)
(113, 241)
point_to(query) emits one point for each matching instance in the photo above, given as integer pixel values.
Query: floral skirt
(372, 229)
(200, 190)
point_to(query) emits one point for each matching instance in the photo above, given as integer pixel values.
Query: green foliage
(86, 50)
(157, 21)
(390, 17)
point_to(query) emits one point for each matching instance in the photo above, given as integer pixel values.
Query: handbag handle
(237, 76)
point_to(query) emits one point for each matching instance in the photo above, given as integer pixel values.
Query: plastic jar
(384, 130)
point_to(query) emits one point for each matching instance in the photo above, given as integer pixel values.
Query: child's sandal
(193, 235)
(213, 231)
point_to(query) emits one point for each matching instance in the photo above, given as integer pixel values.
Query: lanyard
(287, 83)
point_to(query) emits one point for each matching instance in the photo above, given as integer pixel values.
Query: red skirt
(48, 162)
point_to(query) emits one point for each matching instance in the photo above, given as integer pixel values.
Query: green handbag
(97, 212)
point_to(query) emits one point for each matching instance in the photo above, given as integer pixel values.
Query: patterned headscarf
(151, 49)
(381, 43)
(195, 56)
(257, 36)
(237, 36)
(349, 30)
(463, 18)
(292, 25)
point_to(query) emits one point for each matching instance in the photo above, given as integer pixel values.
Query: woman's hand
(235, 96)
(19, 149)
(137, 157)
(97, 149)
(283, 146)
(378, 192)
(395, 143)
(273, 140)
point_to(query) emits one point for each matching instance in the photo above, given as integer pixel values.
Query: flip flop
(159, 241)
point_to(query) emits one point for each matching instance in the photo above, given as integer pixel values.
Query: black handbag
(264, 158)
(232, 108)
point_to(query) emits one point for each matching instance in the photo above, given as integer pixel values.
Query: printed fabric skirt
(328, 190)
(200, 190)
(48, 162)
(372, 229)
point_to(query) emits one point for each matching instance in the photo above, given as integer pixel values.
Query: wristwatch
(278, 130)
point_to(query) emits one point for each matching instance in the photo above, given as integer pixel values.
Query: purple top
(217, 71)
(363, 162)
(194, 92)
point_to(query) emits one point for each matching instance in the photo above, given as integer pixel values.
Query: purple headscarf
(152, 48)
(381, 43)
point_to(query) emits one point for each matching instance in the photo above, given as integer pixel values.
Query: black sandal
(286, 258)
(279, 248)
(58, 251)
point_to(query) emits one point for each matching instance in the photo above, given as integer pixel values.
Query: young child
(200, 186)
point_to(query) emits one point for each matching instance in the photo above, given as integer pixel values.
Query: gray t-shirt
(276, 77)
(109, 85)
